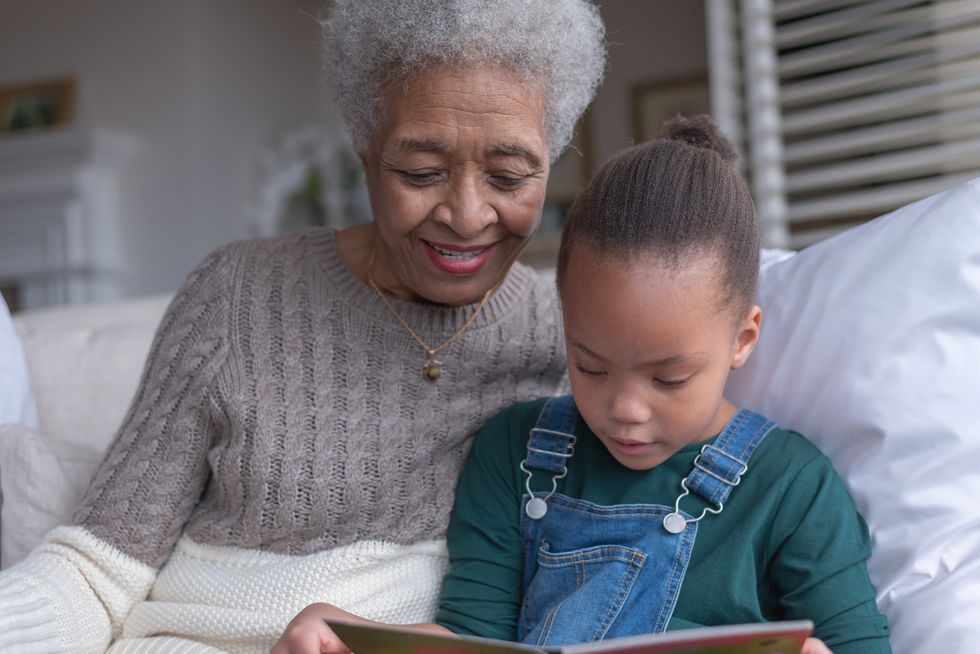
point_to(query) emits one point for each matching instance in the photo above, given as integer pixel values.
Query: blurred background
(136, 136)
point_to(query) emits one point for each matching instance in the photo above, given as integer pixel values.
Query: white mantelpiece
(59, 215)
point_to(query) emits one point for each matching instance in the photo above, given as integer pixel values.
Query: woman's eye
(591, 373)
(508, 182)
(420, 178)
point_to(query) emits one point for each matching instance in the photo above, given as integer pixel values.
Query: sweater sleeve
(72, 593)
(821, 549)
(481, 594)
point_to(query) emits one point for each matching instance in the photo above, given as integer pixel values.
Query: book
(762, 638)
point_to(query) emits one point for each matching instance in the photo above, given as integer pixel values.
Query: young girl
(646, 501)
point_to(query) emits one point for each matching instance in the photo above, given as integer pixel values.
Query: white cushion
(871, 347)
(85, 363)
(16, 403)
(40, 483)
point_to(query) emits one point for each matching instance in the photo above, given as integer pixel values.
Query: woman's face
(456, 172)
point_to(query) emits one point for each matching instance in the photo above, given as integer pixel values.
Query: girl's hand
(307, 633)
(815, 646)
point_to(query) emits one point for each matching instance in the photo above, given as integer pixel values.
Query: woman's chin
(454, 295)
(458, 285)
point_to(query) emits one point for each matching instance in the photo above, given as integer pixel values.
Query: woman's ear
(747, 336)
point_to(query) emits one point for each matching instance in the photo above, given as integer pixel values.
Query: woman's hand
(307, 633)
(815, 646)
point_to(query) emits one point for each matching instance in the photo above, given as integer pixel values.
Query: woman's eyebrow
(412, 144)
(515, 150)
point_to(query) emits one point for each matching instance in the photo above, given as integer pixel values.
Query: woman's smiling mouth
(458, 260)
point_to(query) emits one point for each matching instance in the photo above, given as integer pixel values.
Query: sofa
(84, 364)
(870, 346)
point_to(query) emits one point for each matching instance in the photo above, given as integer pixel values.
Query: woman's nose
(466, 209)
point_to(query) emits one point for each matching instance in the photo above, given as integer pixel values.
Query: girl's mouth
(630, 447)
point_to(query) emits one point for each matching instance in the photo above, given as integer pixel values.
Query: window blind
(845, 109)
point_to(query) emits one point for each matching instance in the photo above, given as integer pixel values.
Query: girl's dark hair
(678, 197)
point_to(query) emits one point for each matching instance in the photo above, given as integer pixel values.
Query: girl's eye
(591, 373)
(420, 179)
(670, 382)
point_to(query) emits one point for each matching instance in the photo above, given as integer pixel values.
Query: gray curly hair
(559, 45)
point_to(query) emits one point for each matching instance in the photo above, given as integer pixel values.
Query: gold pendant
(432, 370)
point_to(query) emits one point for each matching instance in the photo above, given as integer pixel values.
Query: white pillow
(41, 481)
(85, 363)
(16, 401)
(871, 348)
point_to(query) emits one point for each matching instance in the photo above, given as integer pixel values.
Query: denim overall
(593, 572)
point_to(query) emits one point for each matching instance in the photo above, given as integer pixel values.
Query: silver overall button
(674, 523)
(536, 508)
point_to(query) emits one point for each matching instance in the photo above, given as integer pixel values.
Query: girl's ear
(747, 336)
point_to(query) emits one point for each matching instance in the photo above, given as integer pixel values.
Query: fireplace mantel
(59, 215)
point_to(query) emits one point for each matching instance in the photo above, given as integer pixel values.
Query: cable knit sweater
(282, 448)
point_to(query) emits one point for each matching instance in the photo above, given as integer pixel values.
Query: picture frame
(653, 102)
(38, 105)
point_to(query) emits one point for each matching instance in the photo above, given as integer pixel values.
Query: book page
(762, 638)
(372, 639)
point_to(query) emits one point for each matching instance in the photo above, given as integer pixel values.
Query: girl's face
(649, 351)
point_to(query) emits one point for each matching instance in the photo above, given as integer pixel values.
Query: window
(846, 109)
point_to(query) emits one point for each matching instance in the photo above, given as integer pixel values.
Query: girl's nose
(628, 407)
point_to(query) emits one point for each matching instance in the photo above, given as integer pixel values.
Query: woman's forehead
(481, 97)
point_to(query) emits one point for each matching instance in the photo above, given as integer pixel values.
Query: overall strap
(552, 438)
(550, 444)
(719, 467)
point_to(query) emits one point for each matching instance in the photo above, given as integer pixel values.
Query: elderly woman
(308, 400)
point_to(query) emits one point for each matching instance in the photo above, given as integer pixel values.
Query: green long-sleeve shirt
(789, 543)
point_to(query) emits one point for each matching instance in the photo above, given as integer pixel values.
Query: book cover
(762, 638)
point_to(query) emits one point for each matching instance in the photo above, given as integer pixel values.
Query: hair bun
(701, 132)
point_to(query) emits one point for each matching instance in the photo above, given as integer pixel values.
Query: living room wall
(204, 87)
(650, 42)
(207, 86)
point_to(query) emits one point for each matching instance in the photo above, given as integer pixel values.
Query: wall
(205, 86)
(649, 41)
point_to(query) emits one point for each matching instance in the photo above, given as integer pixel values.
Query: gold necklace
(432, 368)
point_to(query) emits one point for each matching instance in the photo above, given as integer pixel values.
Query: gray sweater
(282, 407)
